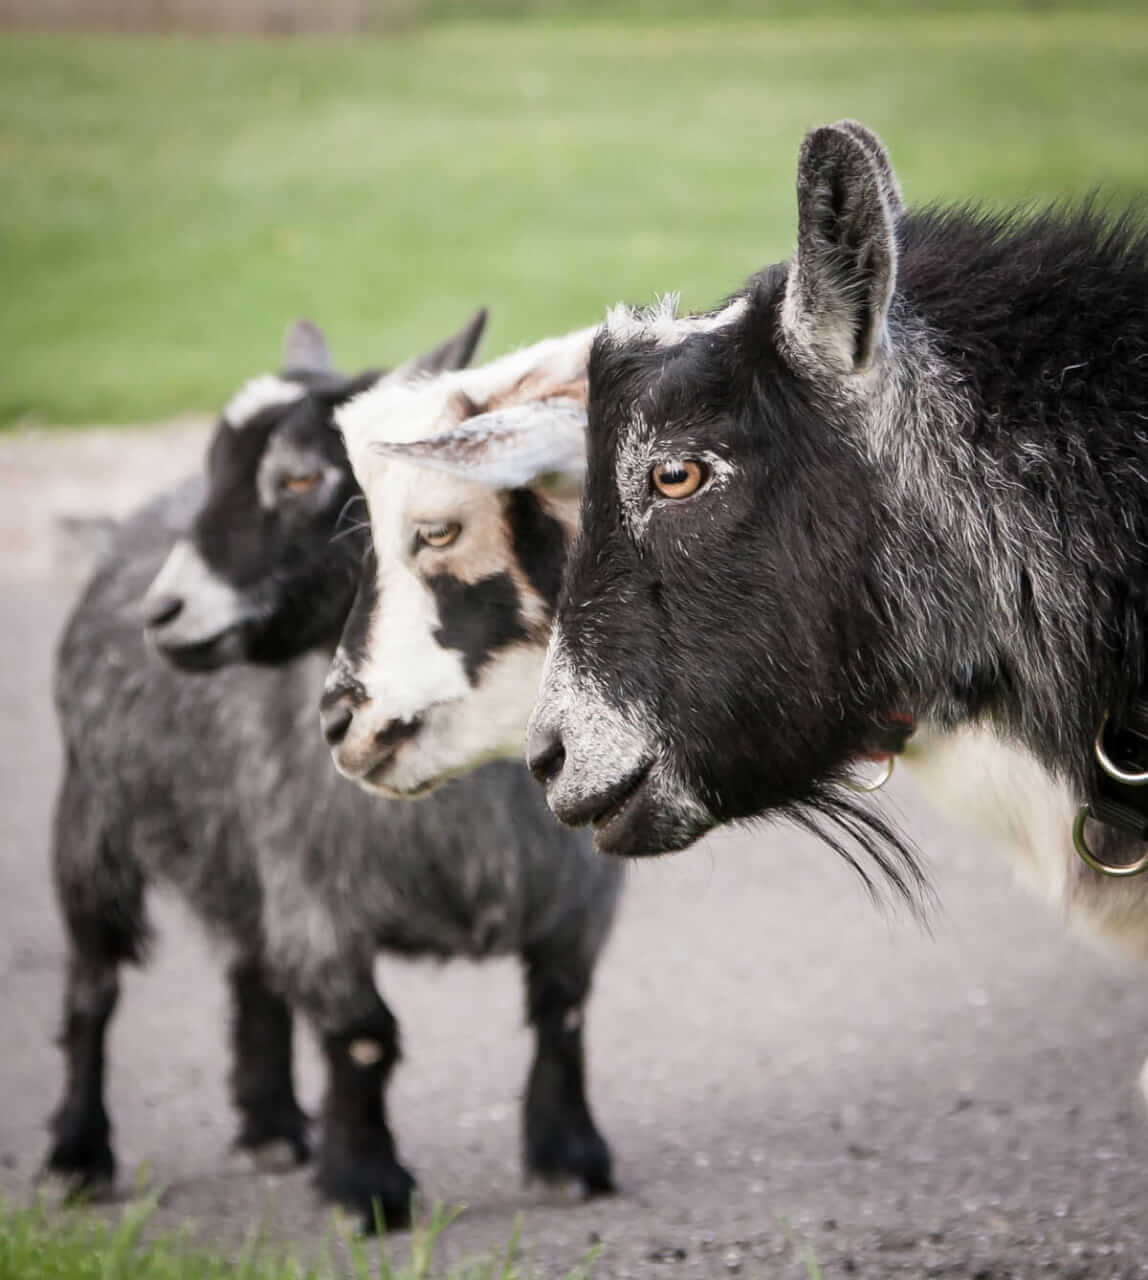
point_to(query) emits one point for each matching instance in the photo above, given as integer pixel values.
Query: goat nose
(336, 717)
(395, 732)
(545, 754)
(160, 610)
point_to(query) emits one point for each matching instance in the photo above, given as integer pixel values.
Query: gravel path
(773, 1059)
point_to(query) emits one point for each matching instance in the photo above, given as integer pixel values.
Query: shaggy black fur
(948, 518)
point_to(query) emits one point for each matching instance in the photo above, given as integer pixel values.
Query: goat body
(220, 786)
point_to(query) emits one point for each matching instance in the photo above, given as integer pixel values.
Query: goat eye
(679, 479)
(302, 483)
(439, 535)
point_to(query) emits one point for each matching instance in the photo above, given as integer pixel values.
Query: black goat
(902, 477)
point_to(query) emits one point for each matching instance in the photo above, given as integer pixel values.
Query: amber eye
(679, 479)
(303, 483)
(439, 535)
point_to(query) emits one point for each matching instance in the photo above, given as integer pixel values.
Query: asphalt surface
(783, 1071)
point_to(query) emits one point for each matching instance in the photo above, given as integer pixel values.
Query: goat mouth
(376, 778)
(216, 651)
(415, 792)
(614, 809)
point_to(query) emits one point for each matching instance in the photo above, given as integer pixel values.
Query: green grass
(167, 206)
(77, 1245)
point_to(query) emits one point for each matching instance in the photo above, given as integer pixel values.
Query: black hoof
(275, 1138)
(576, 1152)
(377, 1190)
(84, 1161)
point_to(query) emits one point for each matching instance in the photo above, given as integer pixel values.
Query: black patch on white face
(539, 543)
(477, 618)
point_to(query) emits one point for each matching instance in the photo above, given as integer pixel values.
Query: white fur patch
(487, 723)
(258, 394)
(990, 786)
(210, 606)
(998, 788)
(662, 325)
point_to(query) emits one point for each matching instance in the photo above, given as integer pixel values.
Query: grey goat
(220, 786)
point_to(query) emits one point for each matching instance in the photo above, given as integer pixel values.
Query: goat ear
(506, 448)
(453, 353)
(305, 349)
(875, 149)
(841, 278)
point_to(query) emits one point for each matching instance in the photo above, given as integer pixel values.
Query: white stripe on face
(407, 670)
(263, 392)
(602, 743)
(209, 606)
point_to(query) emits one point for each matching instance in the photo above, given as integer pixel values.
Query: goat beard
(876, 851)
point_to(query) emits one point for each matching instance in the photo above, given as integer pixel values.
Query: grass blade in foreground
(80, 1245)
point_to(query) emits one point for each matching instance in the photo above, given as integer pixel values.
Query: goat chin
(996, 789)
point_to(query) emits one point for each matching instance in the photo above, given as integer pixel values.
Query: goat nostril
(545, 754)
(397, 731)
(336, 720)
(160, 610)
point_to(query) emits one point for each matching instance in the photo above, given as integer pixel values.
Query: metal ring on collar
(1113, 770)
(867, 787)
(1116, 869)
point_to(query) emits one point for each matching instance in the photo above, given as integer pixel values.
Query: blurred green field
(169, 205)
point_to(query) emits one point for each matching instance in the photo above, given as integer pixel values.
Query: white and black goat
(220, 786)
(440, 660)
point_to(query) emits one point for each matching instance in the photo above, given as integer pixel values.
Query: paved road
(772, 1059)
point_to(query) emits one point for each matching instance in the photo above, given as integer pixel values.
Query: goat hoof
(278, 1155)
(275, 1144)
(82, 1166)
(378, 1192)
(577, 1154)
